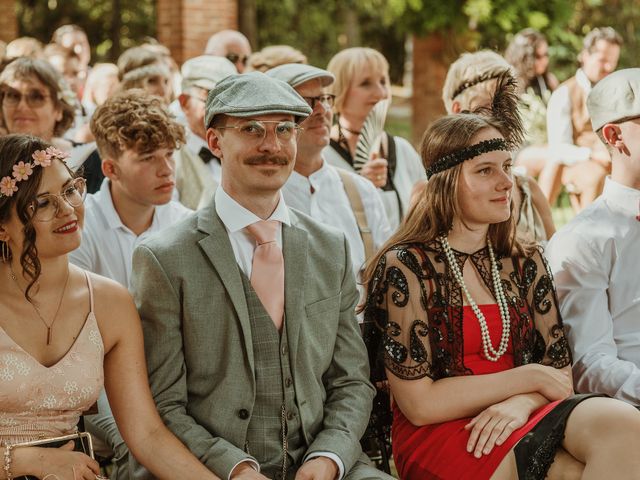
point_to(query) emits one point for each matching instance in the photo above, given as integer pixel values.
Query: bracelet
(7, 461)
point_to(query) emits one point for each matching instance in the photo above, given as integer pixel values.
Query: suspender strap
(358, 210)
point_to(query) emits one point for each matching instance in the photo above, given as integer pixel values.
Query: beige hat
(614, 98)
(205, 71)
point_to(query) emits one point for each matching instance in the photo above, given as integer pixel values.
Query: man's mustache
(267, 160)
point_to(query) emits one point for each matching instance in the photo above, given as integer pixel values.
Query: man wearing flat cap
(596, 257)
(198, 170)
(254, 353)
(341, 199)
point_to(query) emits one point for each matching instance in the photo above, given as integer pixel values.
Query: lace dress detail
(416, 326)
(43, 402)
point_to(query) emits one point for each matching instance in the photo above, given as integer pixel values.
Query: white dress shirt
(560, 125)
(195, 143)
(595, 261)
(408, 172)
(235, 219)
(329, 204)
(107, 244)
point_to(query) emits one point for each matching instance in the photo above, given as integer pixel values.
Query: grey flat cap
(297, 73)
(253, 94)
(616, 97)
(205, 71)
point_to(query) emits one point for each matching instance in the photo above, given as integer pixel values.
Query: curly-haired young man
(136, 138)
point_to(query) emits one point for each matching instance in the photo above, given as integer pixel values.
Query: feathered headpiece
(504, 113)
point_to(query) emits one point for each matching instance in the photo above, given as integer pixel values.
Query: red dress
(439, 451)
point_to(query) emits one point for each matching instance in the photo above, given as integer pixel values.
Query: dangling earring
(6, 253)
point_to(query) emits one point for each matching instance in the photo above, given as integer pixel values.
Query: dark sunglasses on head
(234, 58)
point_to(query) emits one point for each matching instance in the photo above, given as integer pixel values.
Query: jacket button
(285, 350)
(290, 415)
(288, 382)
(243, 413)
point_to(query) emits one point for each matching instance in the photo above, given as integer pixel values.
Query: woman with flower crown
(462, 324)
(63, 331)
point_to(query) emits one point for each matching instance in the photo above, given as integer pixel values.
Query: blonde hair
(433, 213)
(344, 66)
(468, 67)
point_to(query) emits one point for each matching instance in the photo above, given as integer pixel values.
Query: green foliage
(134, 19)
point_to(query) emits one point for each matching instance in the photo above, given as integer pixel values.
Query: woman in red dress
(462, 320)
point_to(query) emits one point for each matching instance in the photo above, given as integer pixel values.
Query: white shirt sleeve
(560, 129)
(331, 456)
(83, 256)
(581, 274)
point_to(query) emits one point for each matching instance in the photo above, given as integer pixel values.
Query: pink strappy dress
(43, 402)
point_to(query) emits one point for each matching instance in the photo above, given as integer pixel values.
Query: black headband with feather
(503, 113)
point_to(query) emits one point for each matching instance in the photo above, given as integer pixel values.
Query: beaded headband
(485, 77)
(22, 170)
(467, 153)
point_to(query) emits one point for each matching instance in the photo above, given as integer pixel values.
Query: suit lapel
(295, 247)
(217, 248)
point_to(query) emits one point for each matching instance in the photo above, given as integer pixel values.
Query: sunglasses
(234, 58)
(327, 100)
(34, 98)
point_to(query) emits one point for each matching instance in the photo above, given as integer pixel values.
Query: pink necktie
(267, 270)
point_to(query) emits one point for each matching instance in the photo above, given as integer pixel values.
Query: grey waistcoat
(274, 388)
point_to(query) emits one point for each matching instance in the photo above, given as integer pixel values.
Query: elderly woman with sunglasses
(36, 100)
(64, 331)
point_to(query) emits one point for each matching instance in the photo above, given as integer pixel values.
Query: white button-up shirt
(560, 124)
(195, 143)
(329, 204)
(595, 261)
(235, 219)
(107, 244)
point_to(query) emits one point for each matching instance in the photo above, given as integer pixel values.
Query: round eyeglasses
(47, 206)
(256, 130)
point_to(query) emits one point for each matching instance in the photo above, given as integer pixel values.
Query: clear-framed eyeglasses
(47, 206)
(256, 130)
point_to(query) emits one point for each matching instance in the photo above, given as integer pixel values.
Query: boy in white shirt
(136, 138)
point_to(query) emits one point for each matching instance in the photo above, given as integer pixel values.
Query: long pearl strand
(487, 346)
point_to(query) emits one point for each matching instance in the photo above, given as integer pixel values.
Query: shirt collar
(105, 203)
(314, 180)
(583, 81)
(623, 197)
(235, 217)
(195, 142)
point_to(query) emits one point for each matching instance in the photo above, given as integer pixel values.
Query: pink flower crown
(22, 171)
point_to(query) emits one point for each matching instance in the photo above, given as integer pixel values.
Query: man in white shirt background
(198, 171)
(580, 160)
(319, 189)
(136, 138)
(595, 258)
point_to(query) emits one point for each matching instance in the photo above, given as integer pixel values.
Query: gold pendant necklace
(55, 316)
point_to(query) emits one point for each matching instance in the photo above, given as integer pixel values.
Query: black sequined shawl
(413, 312)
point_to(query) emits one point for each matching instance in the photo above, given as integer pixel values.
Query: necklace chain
(55, 316)
(490, 353)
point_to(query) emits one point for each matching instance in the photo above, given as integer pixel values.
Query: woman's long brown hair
(434, 212)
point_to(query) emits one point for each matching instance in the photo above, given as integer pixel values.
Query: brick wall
(185, 25)
(429, 71)
(8, 21)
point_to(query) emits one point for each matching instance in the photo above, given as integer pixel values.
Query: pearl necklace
(487, 346)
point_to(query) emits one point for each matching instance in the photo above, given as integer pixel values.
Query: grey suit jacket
(198, 339)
